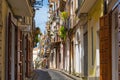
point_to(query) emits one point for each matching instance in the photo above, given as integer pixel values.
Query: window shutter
(9, 46)
(19, 55)
(105, 48)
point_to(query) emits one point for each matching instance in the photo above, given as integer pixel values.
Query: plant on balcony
(62, 33)
(64, 15)
(37, 32)
(36, 40)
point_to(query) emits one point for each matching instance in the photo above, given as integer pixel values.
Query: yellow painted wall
(93, 21)
(4, 13)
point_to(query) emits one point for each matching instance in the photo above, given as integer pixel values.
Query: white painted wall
(54, 60)
(97, 52)
(95, 67)
(82, 50)
(114, 49)
(35, 55)
(78, 54)
(61, 52)
(67, 55)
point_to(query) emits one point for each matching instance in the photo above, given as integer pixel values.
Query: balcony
(21, 7)
(62, 4)
(84, 6)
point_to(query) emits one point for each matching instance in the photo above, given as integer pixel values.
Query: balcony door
(85, 38)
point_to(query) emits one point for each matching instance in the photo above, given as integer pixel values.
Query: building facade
(16, 26)
(111, 29)
(91, 48)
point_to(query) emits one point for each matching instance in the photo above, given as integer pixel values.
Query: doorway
(85, 40)
(86, 54)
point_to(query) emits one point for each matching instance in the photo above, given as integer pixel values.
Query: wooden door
(119, 43)
(63, 55)
(16, 49)
(105, 48)
(27, 56)
(72, 57)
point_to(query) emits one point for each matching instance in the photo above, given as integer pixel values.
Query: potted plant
(62, 33)
(37, 32)
(64, 15)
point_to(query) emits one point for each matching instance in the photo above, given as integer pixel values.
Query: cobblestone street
(47, 74)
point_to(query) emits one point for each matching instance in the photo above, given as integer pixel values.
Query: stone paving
(46, 74)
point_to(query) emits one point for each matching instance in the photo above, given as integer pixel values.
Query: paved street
(47, 74)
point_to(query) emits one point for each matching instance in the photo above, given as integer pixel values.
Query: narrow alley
(59, 39)
(47, 74)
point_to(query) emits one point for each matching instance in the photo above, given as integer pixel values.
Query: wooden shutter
(16, 49)
(119, 43)
(19, 55)
(27, 55)
(21, 58)
(105, 48)
(28, 70)
(9, 46)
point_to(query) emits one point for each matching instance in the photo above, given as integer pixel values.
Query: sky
(41, 16)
